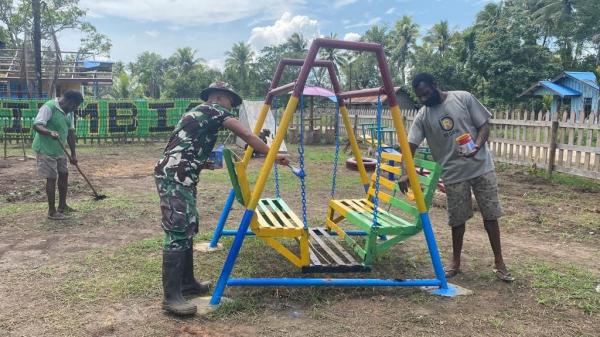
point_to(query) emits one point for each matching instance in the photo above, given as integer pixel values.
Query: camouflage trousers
(179, 214)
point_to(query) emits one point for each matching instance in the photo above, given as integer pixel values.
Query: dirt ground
(98, 273)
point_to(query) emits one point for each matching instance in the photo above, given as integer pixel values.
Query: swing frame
(439, 284)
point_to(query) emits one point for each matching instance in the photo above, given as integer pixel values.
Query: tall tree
(56, 16)
(439, 36)
(238, 66)
(149, 69)
(184, 59)
(402, 39)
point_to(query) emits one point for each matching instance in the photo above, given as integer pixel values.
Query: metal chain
(378, 168)
(337, 149)
(301, 161)
(276, 173)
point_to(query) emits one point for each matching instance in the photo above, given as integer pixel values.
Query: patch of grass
(21, 207)
(571, 180)
(565, 285)
(247, 305)
(556, 178)
(497, 323)
(132, 270)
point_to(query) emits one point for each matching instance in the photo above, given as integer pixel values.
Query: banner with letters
(101, 118)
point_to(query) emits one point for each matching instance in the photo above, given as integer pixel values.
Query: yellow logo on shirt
(446, 123)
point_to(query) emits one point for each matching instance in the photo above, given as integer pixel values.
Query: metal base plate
(452, 291)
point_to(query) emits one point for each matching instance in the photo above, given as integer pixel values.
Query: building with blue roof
(574, 91)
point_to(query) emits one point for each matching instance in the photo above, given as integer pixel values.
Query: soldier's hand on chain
(283, 159)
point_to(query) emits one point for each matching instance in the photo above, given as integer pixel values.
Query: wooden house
(576, 92)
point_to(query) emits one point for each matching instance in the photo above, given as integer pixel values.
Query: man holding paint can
(455, 125)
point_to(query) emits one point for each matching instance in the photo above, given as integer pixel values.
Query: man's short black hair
(426, 78)
(73, 96)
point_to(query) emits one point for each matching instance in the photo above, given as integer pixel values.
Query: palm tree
(184, 59)
(403, 38)
(239, 61)
(332, 54)
(439, 36)
(489, 17)
(296, 45)
(558, 19)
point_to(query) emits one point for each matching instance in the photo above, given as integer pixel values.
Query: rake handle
(78, 169)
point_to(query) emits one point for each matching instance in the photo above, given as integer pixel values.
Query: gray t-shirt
(458, 114)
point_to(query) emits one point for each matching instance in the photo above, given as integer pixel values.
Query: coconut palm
(296, 45)
(403, 38)
(184, 59)
(439, 36)
(239, 61)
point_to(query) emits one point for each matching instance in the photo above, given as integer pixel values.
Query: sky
(212, 27)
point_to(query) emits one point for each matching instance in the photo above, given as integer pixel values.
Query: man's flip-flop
(451, 272)
(504, 276)
(57, 216)
(68, 209)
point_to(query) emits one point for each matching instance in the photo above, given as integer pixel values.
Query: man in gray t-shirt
(444, 117)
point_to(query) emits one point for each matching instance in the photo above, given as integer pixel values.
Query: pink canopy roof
(319, 91)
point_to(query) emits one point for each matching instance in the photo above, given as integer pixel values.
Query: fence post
(355, 123)
(552, 154)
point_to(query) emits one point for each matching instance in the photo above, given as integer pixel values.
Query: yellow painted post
(355, 150)
(259, 124)
(409, 164)
(270, 159)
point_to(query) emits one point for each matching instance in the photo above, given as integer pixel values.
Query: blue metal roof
(559, 89)
(587, 77)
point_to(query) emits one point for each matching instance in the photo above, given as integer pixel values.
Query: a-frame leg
(222, 219)
(231, 257)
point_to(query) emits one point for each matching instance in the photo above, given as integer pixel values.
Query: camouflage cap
(221, 86)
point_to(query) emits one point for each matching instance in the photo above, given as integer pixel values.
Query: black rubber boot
(172, 269)
(190, 285)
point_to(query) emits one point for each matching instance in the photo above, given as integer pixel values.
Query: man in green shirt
(54, 123)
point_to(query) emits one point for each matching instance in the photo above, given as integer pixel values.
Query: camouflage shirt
(191, 143)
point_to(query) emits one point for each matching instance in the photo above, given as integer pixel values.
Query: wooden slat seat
(397, 217)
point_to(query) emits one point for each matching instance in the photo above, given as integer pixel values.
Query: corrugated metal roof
(559, 89)
(584, 76)
(555, 88)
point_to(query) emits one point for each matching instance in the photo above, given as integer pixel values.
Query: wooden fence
(519, 137)
(566, 145)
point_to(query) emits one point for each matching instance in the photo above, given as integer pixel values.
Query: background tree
(238, 67)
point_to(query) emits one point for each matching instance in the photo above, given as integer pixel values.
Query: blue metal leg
(444, 290)
(231, 257)
(232, 232)
(333, 282)
(222, 219)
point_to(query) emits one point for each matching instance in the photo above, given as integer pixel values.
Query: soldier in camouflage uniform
(176, 175)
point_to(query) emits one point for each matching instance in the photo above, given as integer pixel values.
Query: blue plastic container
(216, 156)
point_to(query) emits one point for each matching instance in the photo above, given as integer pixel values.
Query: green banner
(101, 118)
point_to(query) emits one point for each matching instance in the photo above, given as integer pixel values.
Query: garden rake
(97, 196)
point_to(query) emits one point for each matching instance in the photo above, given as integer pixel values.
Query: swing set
(384, 216)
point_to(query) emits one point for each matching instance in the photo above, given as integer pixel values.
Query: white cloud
(152, 33)
(218, 63)
(342, 3)
(174, 28)
(282, 29)
(390, 11)
(369, 22)
(352, 36)
(188, 12)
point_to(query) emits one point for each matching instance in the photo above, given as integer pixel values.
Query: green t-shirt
(191, 143)
(54, 119)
